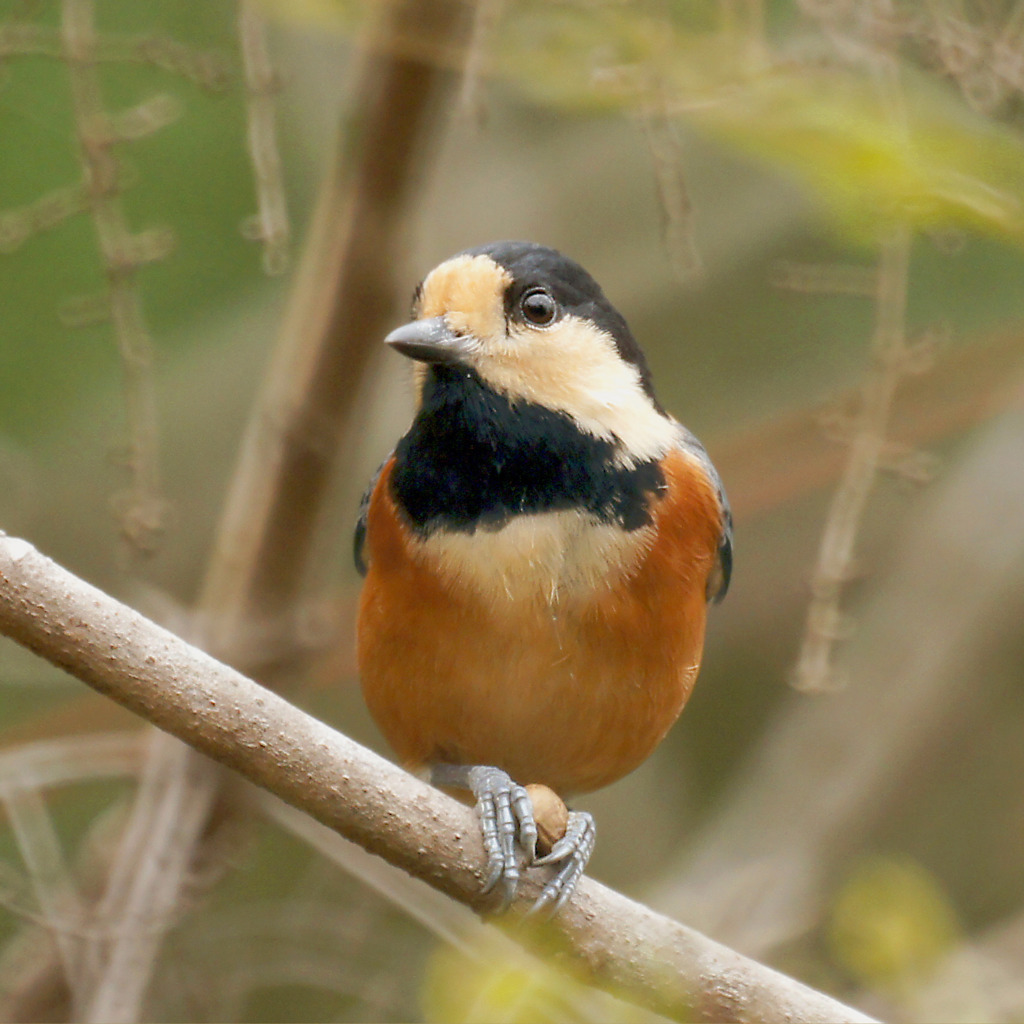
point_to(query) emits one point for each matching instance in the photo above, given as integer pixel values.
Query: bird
(539, 551)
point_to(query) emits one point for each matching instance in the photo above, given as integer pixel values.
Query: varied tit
(539, 551)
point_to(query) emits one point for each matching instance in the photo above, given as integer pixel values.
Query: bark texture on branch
(622, 945)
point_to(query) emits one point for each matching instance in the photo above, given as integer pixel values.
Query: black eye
(538, 307)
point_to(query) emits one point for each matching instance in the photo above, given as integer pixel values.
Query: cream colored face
(571, 366)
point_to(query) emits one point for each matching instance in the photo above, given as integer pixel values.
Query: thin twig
(142, 507)
(814, 669)
(143, 897)
(967, 386)
(345, 293)
(261, 84)
(448, 921)
(60, 902)
(486, 20)
(827, 279)
(69, 759)
(204, 68)
(618, 943)
(891, 359)
(21, 223)
(678, 227)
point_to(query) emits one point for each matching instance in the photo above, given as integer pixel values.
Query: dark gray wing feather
(718, 581)
(359, 537)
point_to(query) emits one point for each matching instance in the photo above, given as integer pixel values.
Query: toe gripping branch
(510, 831)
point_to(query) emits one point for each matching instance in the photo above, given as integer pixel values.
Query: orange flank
(572, 688)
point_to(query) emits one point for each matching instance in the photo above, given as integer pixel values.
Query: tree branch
(618, 943)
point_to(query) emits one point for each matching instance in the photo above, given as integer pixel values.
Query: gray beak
(429, 341)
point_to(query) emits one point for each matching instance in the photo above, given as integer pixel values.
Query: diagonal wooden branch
(618, 943)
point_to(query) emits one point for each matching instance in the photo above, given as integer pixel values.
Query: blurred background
(812, 215)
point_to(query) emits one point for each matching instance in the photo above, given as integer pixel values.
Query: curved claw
(572, 851)
(506, 821)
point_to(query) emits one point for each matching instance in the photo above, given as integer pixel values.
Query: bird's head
(535, 327)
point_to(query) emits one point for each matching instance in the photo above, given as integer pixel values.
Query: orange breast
(573, 694)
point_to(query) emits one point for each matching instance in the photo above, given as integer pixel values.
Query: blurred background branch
(143, 509)
(345, 292)
(343, 295)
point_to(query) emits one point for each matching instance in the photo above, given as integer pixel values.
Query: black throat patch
(473, 458)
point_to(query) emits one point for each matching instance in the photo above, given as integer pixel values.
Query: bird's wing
(718, 581)
(359, 536)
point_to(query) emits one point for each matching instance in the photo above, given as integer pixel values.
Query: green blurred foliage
(191, 178)
(882, 147)
(496, 982)
(879, 150)
(459, 990)
(891, 923)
